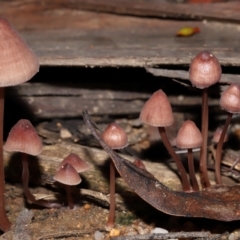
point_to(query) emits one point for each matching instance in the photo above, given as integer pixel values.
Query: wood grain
(62, 34)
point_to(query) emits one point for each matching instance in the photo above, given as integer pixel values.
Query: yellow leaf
(187, 31)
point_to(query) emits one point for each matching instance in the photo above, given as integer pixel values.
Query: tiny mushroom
(229, 101)
(217, 134)
(204, 71)
(78, 163)
(116, 138)
(68, 176)
(24, 138)
(157, 112)
(190, 137)
(18, 64)
(139, 163)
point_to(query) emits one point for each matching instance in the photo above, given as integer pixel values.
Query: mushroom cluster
(18, 64)
(24, 138)
(68, 174)
(204, 71)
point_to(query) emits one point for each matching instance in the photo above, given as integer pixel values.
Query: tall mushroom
(116, 138)
(157, 112)
(229, 101)
(24, 138)
(189, 137)
(204, 71)
(18, 64)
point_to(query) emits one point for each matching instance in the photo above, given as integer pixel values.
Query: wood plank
(61, 101)
(63, 107)
(44, 167)
(184, 75)
(67, 37)
(156, 8)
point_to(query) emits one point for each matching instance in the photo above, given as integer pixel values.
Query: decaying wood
(61, 35)
(184, 75)
(177, 235)
(45, 100)
(58, 234)
(157, 8)
(95, 181)
(230, 162)
(48, 107)
(67, 89)
(44, 167)
(219, 202)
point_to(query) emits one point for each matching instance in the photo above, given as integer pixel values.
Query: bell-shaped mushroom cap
(23, 138)
(67, 175)
(157, 111)
(205, 70)
(230, 98)
(18, 63)
(78, 163)
(217, 135)
(114, 136)
(189, 136)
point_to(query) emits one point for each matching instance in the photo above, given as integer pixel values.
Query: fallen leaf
(187, 31)
(218, 202)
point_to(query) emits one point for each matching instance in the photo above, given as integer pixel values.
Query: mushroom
(116, 138)
(204, 71)
(24, 138)
(190, 137)
(68, 176)
(229, 101)
(157, 112)
(215, 139)
(217, 134)
(78, 163)
(139, 163)
(18, 64)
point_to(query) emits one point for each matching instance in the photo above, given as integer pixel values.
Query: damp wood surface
(44, 166)
(92, 193)
(44, 100)
(109, 34)
(63, 34)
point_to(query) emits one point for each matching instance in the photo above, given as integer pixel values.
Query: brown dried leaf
(217, 202)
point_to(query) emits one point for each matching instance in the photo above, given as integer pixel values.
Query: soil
(88, 218)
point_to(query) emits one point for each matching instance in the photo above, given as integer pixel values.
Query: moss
(125, 218)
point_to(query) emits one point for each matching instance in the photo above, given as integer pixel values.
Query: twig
(154, 236)
(62, 234)
(96, 195)
(223, 236)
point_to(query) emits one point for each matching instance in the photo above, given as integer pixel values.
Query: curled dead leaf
(218, 202)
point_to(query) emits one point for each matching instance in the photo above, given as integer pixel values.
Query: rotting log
(62, 35)
(45, 100)
(163, 9)
(44, 167)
